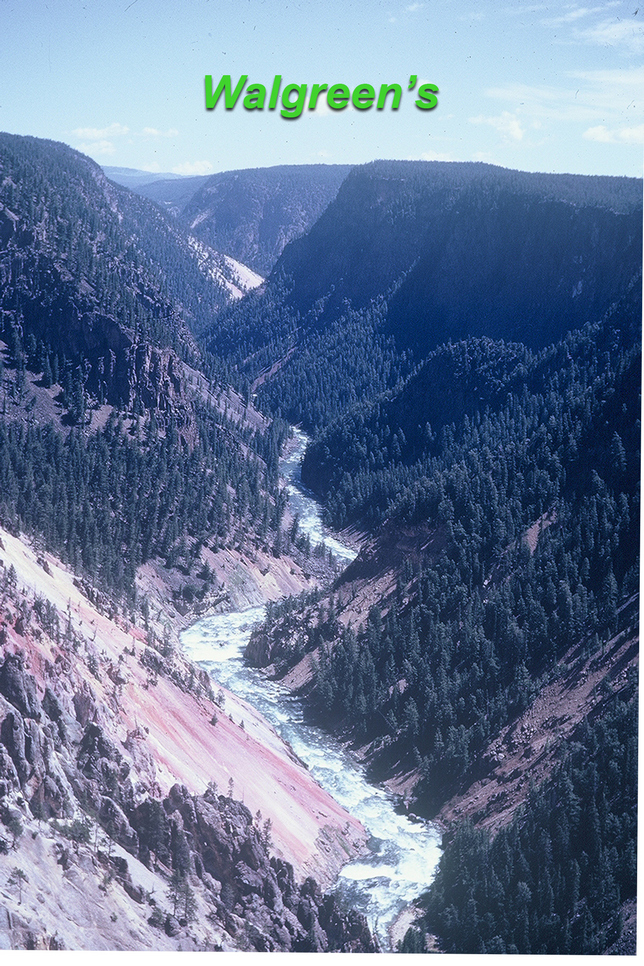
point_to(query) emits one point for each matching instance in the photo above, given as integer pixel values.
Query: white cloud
(194, 167)
(599, 133)
(623, 135)
(100, 133)
(99, 140)
(632, 135)
(97, 148)
(627, 34)
(576, 13)
(508, 125)
(597, 96)
(435, 156)
(153, 132)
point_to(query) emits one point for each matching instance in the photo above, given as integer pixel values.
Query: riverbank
(210, 738)
(405, 919)
(403, 853)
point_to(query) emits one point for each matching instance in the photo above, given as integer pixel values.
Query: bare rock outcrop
(255, 891)
(18, 687)
(210, 844)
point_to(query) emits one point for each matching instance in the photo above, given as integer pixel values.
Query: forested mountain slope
(560, 451)
(135, 491)
(112, 447)
(562, 877)
(503, 576)
(470, 249)
(410, 255)
(370, 458)
(254, 213)
(92, 274)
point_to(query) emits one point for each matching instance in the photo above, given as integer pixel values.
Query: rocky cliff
(114, 832)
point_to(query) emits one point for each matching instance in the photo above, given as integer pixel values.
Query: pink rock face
(165, 732)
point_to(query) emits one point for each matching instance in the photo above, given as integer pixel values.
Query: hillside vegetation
(463, 344)
(412, 255)
(508, 561)
(113, 447)
(499, 479)
(250, 214)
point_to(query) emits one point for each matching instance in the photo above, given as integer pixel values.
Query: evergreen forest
(462, 343)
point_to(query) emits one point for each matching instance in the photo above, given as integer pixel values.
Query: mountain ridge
(370, 288)
(465, 343)
(249, 213)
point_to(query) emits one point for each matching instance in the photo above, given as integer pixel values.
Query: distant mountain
(470, 249)
(134, 178)
(252, 214)
(96, 274)
(410, 255)
(171, 192)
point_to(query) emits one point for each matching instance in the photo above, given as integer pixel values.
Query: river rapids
(403, 853)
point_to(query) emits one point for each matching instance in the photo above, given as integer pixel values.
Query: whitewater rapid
(403, 853)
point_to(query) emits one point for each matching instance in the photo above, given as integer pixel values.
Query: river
(403, 853)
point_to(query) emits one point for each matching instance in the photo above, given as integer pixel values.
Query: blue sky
(535, 86)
